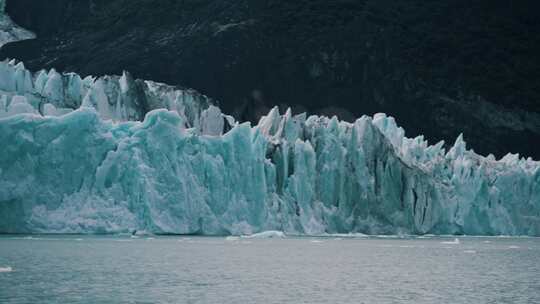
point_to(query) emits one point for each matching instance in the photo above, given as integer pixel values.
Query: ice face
(9, 31)
(177, 171)
(116, 98)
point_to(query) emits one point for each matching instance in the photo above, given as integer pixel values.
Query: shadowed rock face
(440, 68)
(10, 31)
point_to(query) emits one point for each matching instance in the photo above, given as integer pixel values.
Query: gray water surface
(121, 269)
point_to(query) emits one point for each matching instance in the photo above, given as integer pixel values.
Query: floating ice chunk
(347, 235)
(6, 269)
(454, 242)
(266, 235)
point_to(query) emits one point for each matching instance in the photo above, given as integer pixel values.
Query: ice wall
(91, 171)
(116, 98)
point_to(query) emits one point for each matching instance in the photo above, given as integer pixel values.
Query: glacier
(115, 98)
(113, 154)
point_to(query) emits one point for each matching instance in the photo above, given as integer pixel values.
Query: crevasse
(75, 159)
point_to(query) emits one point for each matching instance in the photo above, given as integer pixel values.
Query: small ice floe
(487, 242)
(454, 242)
(6, 269)
(389, 236)
(141, 233)
(270, 234)
(31, 238)
(232, 238)
(150, 238)
(78, 240)
(469, 251)
(513, 247)
(346, 235)
(316, 241)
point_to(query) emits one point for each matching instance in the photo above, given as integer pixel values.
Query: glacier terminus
(114, 154)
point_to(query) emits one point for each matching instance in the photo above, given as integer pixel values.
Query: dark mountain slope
(439, 67)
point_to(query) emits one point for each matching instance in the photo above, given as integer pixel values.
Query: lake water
(121, 269)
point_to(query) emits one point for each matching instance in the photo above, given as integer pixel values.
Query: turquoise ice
(75, 158)
(115, 98)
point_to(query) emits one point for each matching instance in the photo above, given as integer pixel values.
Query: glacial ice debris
(6, 269)
(189, 169)
(454, 242)
(270, 234)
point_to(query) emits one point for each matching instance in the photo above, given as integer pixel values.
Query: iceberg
(115, 155)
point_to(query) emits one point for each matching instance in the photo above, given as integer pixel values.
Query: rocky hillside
(440, 67)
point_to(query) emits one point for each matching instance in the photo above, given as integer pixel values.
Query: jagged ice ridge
(76, 158)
